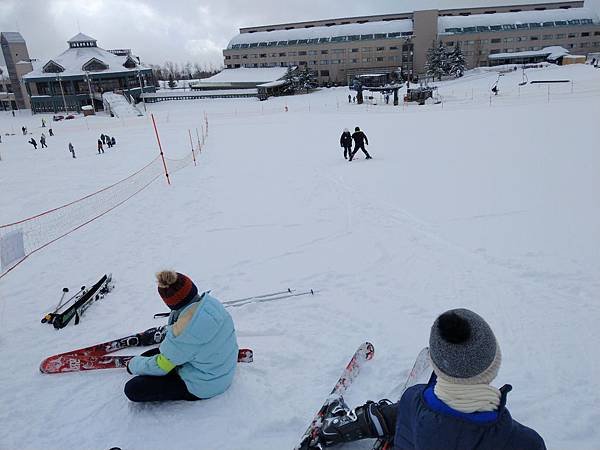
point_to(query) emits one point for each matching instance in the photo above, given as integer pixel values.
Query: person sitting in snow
(198, 357)
(457, 409)
(33, 142)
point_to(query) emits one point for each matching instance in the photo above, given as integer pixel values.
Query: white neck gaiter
(468, 398)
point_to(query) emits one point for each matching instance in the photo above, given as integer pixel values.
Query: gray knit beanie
(463, 348)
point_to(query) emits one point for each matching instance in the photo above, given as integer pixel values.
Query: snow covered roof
(334, 33)
(275, 83)
(512, 20)
(80, 37)
(246, 75)
(72, 61)
(552, 53)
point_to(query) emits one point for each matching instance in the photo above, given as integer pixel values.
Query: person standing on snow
(43, 140)
(360, 139)
(50, 132)
(457, 409)
(346, 142)
(100, 148)
(198, 357)
(72, 150)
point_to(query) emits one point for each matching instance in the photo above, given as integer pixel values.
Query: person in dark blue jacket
(457, 409)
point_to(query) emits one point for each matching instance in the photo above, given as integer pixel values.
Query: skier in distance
(346, 142)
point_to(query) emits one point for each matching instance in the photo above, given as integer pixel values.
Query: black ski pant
(44, 145)
(347, 151)
(145, 388)
(357, 148)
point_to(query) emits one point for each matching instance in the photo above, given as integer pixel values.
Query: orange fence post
(192, 144)
(162, 155)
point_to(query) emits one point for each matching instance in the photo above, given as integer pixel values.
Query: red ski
(94, 357)
(364, 353)
(72, 362)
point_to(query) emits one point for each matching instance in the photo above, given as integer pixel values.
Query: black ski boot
(364, 422)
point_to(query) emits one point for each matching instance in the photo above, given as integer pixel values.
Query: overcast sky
(182, 30)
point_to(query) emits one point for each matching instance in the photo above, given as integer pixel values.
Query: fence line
(19, 240)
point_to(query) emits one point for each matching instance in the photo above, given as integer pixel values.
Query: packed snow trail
(495, 210)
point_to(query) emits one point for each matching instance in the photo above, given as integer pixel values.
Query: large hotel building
(339, 49)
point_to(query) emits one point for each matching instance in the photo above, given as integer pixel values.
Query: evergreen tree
(437, 64)
(456, 61)
(307, 79)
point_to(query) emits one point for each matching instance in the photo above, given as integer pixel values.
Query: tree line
(183, 71)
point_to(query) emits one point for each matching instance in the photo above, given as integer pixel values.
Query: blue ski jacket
(424, 422)
(200, 344)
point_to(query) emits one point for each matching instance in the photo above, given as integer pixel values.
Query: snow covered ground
(489, 204)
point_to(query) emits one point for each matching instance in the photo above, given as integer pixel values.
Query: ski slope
(488, 204)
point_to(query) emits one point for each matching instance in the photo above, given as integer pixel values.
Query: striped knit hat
(176, 289)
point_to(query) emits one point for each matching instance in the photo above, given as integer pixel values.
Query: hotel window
(366, 60)
(596, 33)
(324, 62)
(301, 53)
(394, 47)
(380, 49)
(585, 34)
(379, 58)
(236, 57)
(509, 39)
(324, 73)
(354, 61)
(312, 52)
(561, 36)
(534, 38)
(244, 56)
(312, 63)
(496, 41)
(324, 52)
(366, 49)
(282, 54)
(292, 53)
(263, 55)
(548, 36)
(572, 35)
(584, 44)
(354, 50)
(338, 50)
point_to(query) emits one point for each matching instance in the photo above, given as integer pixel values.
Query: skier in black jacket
(346, 142)
(360, 139)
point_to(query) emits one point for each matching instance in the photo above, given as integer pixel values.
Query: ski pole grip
(165, 314)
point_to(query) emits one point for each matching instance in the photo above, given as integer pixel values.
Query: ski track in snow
(500, 217)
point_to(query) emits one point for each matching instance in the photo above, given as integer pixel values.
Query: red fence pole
(192, 144)
(162, 155)
(198, 137)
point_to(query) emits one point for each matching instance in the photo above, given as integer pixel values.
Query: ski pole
(238, 303)
(287, 291)
(50, 316)
(256, 299)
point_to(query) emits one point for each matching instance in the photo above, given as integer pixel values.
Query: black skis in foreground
(82, 302)
(364, 353)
